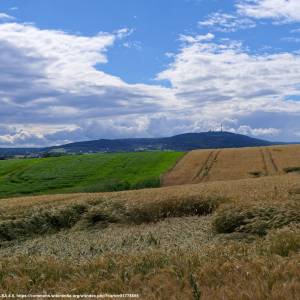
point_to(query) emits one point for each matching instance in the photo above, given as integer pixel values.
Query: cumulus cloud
(281, 10)
(260, 132)
(13, 136)
(224, 81)
(226, 72)
(50, 77)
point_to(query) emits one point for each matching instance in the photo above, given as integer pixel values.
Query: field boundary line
(162, 176)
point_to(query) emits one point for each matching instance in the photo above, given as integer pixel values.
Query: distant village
(62, 152)
(40, 154)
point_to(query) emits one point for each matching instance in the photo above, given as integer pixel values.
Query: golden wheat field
(232, 232)
(231, 164)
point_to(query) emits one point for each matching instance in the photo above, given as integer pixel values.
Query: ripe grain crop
(234, 271)
(233, 164)
(187, 169)
(223, 239)
(286, 156)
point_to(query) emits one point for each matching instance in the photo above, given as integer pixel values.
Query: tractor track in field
(198, 175)
(272, 161)
(204, 171)
(265, 167)
(269, 165)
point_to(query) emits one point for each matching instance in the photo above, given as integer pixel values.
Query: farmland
(231, 234)
(231, 164)
(84, 173)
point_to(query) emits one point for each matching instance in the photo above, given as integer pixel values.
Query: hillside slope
(229, 164)
(84, 173)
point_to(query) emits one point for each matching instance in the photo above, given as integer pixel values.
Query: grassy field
(84, 173)
(231, 239)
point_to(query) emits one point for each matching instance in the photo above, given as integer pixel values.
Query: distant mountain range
(182, 142)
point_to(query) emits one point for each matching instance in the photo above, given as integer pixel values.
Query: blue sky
(78, 70)
(156, 27)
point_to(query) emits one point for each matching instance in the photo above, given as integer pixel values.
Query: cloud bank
(53, 91)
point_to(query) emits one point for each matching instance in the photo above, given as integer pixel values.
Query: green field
(84, 173)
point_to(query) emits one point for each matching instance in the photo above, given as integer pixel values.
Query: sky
(73, 70)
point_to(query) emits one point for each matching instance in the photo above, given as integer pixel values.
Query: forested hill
(182, 142)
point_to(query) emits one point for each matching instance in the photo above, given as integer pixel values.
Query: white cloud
(6, 17)
(259, 132)
(222, 72)
(220, 81)
(197, 38)
(65, 58)
(51, 78)
(291, 39)
(297, 30)
(226, 22)
(133, 45)
(281, 10)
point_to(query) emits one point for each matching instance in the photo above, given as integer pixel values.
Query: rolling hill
(182, 142)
